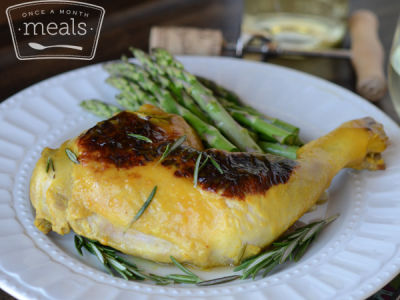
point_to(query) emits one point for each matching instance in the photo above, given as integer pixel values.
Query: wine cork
(184, 40)
(367, 55)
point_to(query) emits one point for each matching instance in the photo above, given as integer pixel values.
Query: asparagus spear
(127, 102)
(248, 109)
(259, 125)
(219, 90)
(142, 78)
(279, 149)
(100, 108)
(159, 75)
(208, 103)
(207, 132)
(132, 96)
(166, 59)
(130, 101)
(231, 101)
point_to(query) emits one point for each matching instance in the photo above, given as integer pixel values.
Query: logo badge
(55, 29)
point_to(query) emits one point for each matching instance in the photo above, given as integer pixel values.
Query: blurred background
(128, 22)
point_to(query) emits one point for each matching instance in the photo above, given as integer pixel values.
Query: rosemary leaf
(115, 264)
(183, 269)
(243, 265)
(216, 165)
(197, 169)
(270, 268)
(242, 251)
(72, 156)
(139, 276)
(302, 250)
(289, 250)
(126, 262)
(97, 252)
(160, 279)
(145, 205)
(204, 163)
(50, 165)
(311, 232)
(108, 269)
(172, 147)
(123, 275)
(78, 244)
(140, 137)
(179, 278)
(218, 280)
(165, 154)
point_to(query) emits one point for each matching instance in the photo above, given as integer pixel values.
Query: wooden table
(127, 22)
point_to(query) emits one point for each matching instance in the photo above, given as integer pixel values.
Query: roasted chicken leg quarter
(254, 201)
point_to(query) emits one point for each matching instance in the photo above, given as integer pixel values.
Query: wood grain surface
(128, 22)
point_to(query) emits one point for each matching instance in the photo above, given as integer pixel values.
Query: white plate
(353, 257)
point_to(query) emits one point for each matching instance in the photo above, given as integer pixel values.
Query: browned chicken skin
(254, 201)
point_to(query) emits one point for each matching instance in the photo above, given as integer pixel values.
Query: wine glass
(394, 70)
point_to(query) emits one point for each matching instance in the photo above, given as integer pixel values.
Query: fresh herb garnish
(78, 243)
(204, 163)
(72, 156)
(242, 252)
(172, 147)
(183, 269)
(113, 262)
(140, 137)
(216, 165)
(198, 166)
(197, 169)
(218, 280)
(290, 247)
(50, 165)
(145, 205)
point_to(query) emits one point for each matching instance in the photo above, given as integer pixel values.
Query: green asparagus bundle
(162, 81)
(276, 134)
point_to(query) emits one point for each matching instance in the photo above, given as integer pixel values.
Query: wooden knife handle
(367, 55)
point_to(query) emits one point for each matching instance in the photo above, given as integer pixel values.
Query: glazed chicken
(255, 200)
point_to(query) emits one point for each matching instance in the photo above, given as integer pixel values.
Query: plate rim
(8, 103)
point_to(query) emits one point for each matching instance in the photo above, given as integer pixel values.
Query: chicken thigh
(245, 204)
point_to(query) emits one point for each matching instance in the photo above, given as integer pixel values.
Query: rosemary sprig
(172, 147)
(116, 264)
(72, 156)
(140, 137)
(290, 247)
(50, 165)
(145, 205)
